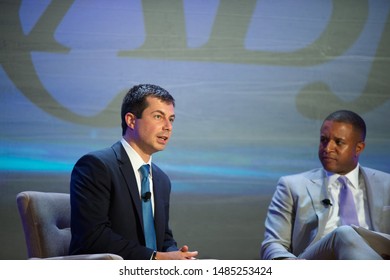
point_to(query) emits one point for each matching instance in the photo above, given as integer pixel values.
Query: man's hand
(182, 254)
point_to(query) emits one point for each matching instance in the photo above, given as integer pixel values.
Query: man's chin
(329, 167)
(159, 148)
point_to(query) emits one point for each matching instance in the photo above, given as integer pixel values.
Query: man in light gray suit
(305, 219)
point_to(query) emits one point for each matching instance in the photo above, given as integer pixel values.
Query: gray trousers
(344, 243)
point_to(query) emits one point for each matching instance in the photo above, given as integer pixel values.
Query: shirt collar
(352, 176)
(135, 158)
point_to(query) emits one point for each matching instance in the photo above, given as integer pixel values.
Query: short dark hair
(135, 100)
(349, 117)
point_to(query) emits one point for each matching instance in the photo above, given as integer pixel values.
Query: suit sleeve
(279, 224)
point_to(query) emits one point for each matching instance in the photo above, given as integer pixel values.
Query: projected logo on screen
(40, 36)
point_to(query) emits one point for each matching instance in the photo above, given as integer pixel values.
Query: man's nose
(329, 146)
(167, 125)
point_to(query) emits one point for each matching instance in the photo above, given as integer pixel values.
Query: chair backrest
(46, 223)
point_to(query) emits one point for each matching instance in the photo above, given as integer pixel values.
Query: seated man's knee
(345, 234)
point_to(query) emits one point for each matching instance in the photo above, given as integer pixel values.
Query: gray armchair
(46, 223)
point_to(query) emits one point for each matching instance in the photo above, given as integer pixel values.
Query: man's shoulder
(374, 172)
(312, 174)
(104, 153)
(157, 171)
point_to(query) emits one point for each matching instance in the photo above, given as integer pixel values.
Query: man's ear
(130, 120)
(360, 147)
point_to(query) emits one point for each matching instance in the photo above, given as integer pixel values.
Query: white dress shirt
(137, 162)
(357, 185)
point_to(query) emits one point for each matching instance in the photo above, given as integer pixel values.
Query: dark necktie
(347, 208)
(147, 213)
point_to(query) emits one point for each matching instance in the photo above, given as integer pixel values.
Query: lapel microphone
(146, 196)
(326, 202)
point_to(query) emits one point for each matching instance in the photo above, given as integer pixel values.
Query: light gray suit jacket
(297, 216)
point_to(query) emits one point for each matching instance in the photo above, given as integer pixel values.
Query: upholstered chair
(45, 218)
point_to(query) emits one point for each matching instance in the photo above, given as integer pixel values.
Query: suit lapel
(128, 175)
(375, 195)
(158, 208)
(318, 192)
(127, 172)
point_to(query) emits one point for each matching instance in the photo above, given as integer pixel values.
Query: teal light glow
(14, 164)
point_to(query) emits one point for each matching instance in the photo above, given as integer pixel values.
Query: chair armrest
(84, 257)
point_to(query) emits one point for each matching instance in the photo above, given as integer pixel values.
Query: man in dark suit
(305, 218)
(105, 189)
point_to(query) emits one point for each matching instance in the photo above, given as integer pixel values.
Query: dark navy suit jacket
(106, 210)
